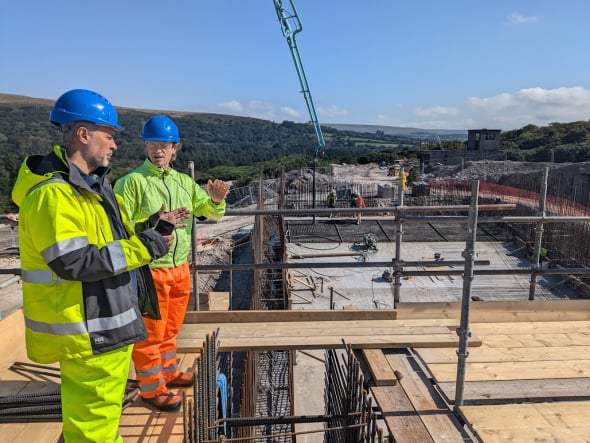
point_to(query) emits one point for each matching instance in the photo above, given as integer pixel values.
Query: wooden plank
(485, 353)
(531, 328)
(401, 419)
(288, 316)
(323, 334)
(228, 344)
(533, 422)
(500, 311)
(12, 348)
(493, 392)
(142, 423)
(255, 330)
(304, 283)
(379, 366)
(217, 301)
(449, 324)
(512, 370)
(47, 432)
(559, 435)
(12, 331)
(537, 340)
(438, 419)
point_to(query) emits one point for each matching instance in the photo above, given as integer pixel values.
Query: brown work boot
(182, 380)
(166, 401)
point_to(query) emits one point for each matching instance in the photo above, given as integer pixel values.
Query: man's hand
(175, 216)
(169, 240)
(217, 190)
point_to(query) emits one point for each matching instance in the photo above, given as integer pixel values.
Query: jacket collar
(75, 175)
(154, 170)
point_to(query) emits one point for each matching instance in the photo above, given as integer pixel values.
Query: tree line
(240, 148)
(221, 146)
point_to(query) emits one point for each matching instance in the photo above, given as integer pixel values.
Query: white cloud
(506, 110)
(332, 111)
(258, 109)
(435, 111)
(536, 106)
(519, 19)
(233, 106)
(287, 110)
(254, 108)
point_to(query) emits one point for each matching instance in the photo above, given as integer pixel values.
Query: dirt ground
(371, 173)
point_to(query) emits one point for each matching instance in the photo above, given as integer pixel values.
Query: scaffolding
(270, 264)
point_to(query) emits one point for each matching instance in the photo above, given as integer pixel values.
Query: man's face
(161, 153)
(100, 146)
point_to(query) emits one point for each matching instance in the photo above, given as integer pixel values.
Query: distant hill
(444, 134)
(23, 100)
(220, 145)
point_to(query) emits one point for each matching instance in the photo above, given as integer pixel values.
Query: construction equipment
(370, 241)
(291, 25)
(387, 276)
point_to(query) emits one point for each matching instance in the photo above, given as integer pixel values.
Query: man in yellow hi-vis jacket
(146, 189)
(78, 258)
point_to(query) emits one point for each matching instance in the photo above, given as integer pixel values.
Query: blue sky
(456, 64)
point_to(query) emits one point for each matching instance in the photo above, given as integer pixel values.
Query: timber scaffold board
(529, 381)
(274, 330)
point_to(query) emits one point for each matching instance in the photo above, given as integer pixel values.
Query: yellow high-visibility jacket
(79, 296)
(147, 187)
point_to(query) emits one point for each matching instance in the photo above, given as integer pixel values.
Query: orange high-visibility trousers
(155, 357)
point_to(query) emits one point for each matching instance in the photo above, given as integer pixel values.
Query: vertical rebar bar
(211, 387)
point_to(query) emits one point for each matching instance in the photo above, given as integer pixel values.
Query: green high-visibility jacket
(147, 187)
(76, 251)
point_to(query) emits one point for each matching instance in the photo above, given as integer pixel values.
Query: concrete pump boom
(291, 25)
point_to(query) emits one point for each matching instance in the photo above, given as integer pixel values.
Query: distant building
(487, 140)
(482, 144)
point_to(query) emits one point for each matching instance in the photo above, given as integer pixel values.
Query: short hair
(69, 130)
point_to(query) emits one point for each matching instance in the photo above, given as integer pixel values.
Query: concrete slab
(366, 288)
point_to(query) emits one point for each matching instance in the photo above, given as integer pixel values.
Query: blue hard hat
(84, 105)
(160, 128)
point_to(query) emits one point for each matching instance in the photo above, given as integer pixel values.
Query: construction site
(456, 311)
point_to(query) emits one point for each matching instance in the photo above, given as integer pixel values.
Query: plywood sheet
(511, 391)
(532, 422)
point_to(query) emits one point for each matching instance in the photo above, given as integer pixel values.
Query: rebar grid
(347, 401)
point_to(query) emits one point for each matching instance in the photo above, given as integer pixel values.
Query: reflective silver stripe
(55, 179)
(148, 388)
(118, 259)
(56, 329)
(108, 323)
(63, 247)
(170, 370)
(149, 372)
(169, 355)
(41, 277)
